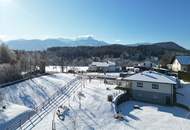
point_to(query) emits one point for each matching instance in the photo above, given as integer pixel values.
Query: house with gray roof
(181, 63)
(150, 86)
(103, 67)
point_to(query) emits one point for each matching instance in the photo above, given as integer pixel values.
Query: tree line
(121, 54)
(15, 65)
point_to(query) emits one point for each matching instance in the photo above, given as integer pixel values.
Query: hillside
(83, 55)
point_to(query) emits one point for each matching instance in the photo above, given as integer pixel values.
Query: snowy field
(93, 111)
(33, 92)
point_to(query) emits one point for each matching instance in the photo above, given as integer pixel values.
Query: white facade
(148, 64)
(181, 63)
(176, 66)
(103, 67)
(147, 86)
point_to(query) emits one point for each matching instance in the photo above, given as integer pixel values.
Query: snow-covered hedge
(118, 100)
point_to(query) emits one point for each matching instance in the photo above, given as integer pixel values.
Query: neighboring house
(103, 67)
(181, 63)
(147, 64)
(150, 86)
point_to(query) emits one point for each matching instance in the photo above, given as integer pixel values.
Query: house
(181, 63)
(150, 86)
(103, 67)
(147, 64)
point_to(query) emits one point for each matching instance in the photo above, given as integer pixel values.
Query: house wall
(176, 66)
(147, 86)
(146, 93)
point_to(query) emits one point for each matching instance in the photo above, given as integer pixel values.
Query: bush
(184, 75)
(9, 73)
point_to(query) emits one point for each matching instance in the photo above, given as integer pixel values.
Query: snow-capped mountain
(37, 44)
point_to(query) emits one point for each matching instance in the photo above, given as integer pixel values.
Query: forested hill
(164, 51)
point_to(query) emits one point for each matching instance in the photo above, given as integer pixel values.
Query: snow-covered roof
(152, 76)
(103, 64)
(184, 60)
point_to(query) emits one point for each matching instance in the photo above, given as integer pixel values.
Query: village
(94, 65)
(101, 96)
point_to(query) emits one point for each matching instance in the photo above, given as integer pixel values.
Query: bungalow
(150, 86)
(103, 67)
(147, 64)
(181, 63)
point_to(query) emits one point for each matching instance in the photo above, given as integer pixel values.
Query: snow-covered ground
(33, 92)
(12, 113)
(153, 117)
(96, 112)
(88, 108)
(183, 95)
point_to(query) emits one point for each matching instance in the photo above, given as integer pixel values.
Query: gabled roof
(152, 76)
(184, 60)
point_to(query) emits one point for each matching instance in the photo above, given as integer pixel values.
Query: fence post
(20, 124)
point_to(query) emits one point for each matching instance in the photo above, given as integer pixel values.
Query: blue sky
(121, 21)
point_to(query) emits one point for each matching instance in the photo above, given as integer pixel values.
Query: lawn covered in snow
(97, 113)
(34, 91)
(153, 117)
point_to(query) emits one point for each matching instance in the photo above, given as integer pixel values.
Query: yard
(95, 112)
(88, 109)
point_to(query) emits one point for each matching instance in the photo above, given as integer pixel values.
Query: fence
(27, 117)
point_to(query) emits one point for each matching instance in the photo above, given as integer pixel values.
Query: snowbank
(33, 92)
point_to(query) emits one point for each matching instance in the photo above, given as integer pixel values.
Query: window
(140, 84)
(155, 86)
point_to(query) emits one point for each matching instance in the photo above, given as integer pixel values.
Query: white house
(147, 64)
(151, 86)
(181, 63)
(103, 67)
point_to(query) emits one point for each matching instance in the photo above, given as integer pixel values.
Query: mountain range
(37, 44)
